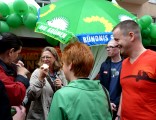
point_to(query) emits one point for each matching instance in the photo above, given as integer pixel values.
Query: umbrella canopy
(90, 20)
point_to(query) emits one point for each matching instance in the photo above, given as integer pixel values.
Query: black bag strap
(51, 83)
(28, 98)
(108, 100)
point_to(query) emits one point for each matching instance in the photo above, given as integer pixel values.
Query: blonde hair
(57, 63)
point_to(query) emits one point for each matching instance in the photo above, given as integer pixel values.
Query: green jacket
(80, 100)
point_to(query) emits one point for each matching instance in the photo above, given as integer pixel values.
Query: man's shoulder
(149, 55)
(151, 52)
(107, 61)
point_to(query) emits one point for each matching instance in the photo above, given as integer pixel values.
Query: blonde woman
(44, 81)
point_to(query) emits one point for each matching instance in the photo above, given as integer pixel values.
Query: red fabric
(138, 81)
(15, 90)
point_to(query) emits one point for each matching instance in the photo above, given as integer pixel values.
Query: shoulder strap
(108, 100)
(51, 83)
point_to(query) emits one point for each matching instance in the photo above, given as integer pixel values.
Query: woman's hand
(58, 83)
(43, 72)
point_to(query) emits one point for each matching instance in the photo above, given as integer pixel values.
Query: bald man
(110, 74)
(138, 74)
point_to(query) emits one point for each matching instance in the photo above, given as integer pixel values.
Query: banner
(95, 39)
(63, 36)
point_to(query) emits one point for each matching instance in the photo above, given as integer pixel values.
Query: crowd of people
(60, 89)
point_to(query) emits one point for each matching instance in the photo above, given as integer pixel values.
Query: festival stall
(90, 21)
(20, 17)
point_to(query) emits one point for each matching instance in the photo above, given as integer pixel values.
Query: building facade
(140, 7)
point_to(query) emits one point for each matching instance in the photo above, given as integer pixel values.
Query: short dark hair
(128, 26)
(8, 41)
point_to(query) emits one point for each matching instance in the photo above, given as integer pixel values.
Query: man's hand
(20, 113)
(21, 70)
(113, 106)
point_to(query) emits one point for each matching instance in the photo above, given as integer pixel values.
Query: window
(42, 3)
(134, 14)
(154, 19)
(152, 1)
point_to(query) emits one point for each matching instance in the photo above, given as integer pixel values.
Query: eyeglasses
(111, 47)
(47, 57)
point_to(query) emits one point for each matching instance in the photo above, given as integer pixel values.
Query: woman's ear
(70, 66)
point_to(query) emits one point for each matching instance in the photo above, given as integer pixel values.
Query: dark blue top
(113, 86)
(110, 79)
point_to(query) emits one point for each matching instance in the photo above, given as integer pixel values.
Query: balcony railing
(134, 1)
(44, 2)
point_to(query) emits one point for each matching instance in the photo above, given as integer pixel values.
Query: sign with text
(95, 39)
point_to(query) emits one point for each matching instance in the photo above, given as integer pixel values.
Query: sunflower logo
(59, 23)
(108, 25)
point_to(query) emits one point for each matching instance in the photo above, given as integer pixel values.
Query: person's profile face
(14, 55)
(112, 48)
(121, 41)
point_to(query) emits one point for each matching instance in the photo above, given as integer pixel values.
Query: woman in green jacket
(81, 99)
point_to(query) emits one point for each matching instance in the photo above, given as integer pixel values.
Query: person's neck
(136, 53)
(72, 77)
(116, 59)
(4, 59)
(51, 70)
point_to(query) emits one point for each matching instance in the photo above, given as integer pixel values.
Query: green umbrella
(90, 20)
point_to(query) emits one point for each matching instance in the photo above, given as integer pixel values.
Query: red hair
(80, 56)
